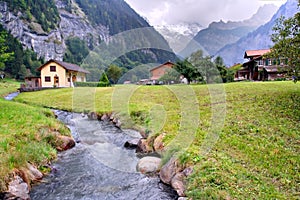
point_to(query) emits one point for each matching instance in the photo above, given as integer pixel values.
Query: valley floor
(242, 139)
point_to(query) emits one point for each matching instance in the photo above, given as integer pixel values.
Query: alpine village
(98, 102)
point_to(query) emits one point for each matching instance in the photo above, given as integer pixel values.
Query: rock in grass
(148, 165)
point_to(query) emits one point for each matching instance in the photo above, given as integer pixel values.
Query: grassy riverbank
(26, 135)
(8, 86)
(256, 155)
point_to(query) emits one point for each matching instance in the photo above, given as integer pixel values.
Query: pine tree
(103, 82)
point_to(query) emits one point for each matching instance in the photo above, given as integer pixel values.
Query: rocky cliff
(52, 45)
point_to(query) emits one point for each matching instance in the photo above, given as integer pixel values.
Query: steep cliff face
(52, 45)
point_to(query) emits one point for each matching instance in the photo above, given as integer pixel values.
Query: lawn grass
(254, 154)
(27, 134)
(257, 154)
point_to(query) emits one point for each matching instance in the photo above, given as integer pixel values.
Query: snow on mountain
(179, 35)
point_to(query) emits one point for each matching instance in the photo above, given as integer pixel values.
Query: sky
(162, 12)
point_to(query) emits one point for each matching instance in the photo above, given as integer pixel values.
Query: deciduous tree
(114, 73)
(286, 38)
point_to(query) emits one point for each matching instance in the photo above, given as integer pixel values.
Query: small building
(160, 70)
(260, 68)
(33, 82)
(56, 73)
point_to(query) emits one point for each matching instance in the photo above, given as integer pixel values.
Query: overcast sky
(160, 12)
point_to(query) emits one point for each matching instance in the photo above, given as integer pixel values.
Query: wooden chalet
(259, 68)
(159, 71)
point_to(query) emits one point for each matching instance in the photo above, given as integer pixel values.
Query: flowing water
(98, 167)
(11, 96)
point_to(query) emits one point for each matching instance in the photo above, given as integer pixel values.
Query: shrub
(86, 84)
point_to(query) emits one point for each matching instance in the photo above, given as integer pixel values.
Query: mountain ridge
(219, 34)
(258, 39)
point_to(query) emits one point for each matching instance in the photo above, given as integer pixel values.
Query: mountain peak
(262, 16)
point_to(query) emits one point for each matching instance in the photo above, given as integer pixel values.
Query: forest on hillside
(114, 14)
(44, 12)
(22, 62)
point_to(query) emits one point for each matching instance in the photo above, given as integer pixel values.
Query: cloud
(202, 11)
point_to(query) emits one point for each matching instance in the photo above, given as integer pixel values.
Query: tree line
(198, 68)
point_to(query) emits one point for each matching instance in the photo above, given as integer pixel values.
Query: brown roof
(256, 53)
(68, 66)
(166, 63)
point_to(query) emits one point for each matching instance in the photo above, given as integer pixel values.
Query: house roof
(68, 66)
(166, 63)
(256, 53)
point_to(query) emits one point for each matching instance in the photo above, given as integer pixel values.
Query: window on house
(47, 79)
(270, 62)
(69, 80)
(52, 68)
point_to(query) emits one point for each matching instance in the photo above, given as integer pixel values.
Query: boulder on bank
(117, 122)
(143, 146)
(93, 116)
(65, 143)
(173, 174)
(32, 173)
(17, 189)
(158, 144)
(105, 117)
(178, 184)
(148, 165)
(169, 170)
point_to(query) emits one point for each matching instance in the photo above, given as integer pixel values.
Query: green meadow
(27, 134)
(242, 139)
